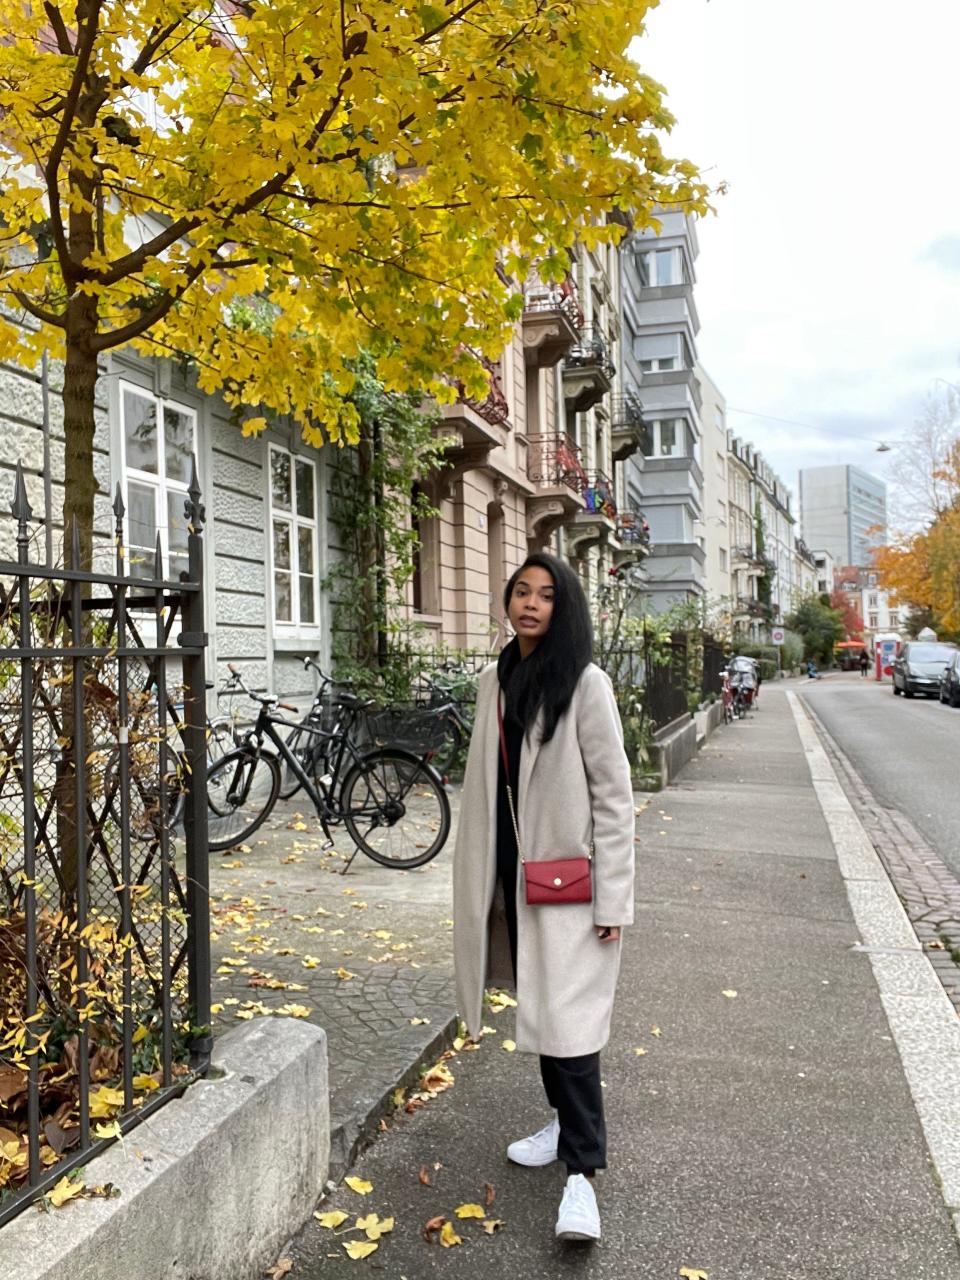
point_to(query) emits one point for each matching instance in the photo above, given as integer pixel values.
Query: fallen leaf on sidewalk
(490, 1225)
(655, 1031)
(419, 1022)
(360, 1248)
(280, 1268)
(509, 1045)
(935, 945)
(424, 1176)
(343, 974)
(431, 1227)
(491, 1193)
(692, 1273)
(449, 1237)
(469, 1211)
(730, 994)
(335, 1218)
(359, 1185)
(640, 1052)
(374, 1226)
(65, 1190)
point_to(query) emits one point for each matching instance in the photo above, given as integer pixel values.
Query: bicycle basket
(412, 728)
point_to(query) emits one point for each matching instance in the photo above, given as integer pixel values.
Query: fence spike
(119, 510)
(193, 508)
(158, 561)
(20, 508)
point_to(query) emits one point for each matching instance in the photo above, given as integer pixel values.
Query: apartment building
(877, 607)
(715, 525)
(763, 540)
(843, 509)
(660, 325)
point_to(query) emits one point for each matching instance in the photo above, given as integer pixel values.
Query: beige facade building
(716, 536)
(537, 464)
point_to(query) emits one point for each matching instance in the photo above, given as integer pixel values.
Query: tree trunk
(367, 550)
(79, 398)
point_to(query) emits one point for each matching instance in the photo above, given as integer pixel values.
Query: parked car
(917, 667)
(950, 681)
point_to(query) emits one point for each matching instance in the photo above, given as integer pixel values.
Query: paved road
(907, 752)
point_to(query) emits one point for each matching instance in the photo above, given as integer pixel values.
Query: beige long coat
(573, 789)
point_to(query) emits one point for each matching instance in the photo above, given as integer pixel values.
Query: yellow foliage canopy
(269, 188)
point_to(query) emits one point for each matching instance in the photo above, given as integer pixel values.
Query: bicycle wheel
(242, 788)
(395, 809)
(448, 752)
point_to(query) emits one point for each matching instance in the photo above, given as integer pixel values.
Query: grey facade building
(659, 330)
(843, 510)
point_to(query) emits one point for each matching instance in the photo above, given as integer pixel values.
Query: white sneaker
(537, 1150)
(579, 1217)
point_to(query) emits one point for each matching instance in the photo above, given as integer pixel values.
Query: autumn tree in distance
(270, 188)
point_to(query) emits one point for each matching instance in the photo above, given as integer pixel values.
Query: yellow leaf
(449, 1237)
(374, 1226)
(111, 1130)
(692, 1273)
(139, 1034)
(469, 1211)
(509, 1045)
(655, 1031)
(731, 995)
(360, 1248)
(490, 1225)
(65, 1190)
(359, 1185)
(335, 1218)
(144, 1083)
(419, 1022)
(383, 934)
(344, 974)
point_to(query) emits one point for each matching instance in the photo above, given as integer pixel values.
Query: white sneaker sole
(532, 1164)
(579, 1235)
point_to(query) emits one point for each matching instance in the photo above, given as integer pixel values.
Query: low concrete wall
(708, 719)
(212, 1186)
(673, 747)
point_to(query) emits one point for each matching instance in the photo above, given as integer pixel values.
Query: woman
(570, 787)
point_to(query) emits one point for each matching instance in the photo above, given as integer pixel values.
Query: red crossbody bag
(552, 880)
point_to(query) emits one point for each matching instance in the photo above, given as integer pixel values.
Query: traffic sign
(777, 635)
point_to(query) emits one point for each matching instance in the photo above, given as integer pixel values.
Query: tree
(765, 581)
(269, 190)
(819, 626)
(927, 484)
(843, 603)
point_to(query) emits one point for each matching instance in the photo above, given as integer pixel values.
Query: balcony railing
(599, 495)
(554, 461)
(493, 408)
(539, 297)
(626, 410)
(751, 606)
(633, 529)
(591, 352)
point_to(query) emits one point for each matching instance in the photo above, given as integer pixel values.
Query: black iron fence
(714, 660)
(104, 914)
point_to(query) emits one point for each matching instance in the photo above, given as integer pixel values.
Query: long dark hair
(546, 680)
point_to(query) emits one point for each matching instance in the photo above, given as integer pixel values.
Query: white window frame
(157, 481)
(295, 522)
(679, 449)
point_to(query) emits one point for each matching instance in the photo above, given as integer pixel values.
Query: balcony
(627, 430)
(551, 321)
(749, 607)
(477, 425)
(587, 370)
(597, 521)
(746, 558)
(633, 530)
(554, 466)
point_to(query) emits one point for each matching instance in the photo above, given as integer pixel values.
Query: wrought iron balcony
(627, 428)
(587, 370)
(598, 495)
(553, 461)
(633, 529)
(552, 319)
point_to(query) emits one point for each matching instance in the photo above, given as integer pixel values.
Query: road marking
(922, 1020)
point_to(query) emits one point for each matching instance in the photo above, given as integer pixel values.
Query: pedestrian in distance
(543, 867)
(864, 662)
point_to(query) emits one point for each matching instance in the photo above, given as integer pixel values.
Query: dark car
(917, 667)
(950, 681)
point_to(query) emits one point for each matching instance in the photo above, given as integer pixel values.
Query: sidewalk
(768, 1133)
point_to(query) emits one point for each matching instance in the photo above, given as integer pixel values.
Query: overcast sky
(828, 281)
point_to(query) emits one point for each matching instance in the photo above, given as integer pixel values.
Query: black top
(506, 837)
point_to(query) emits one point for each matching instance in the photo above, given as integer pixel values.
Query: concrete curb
(212, 1186)
(353, 1133)
(921, 1017)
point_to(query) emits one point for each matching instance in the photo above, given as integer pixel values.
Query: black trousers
(572, 1085)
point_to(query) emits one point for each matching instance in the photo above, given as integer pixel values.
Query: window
(666, 438)
(873, 622)
(663, 364)
(723, 559)
(873, 580)
(894, 620)
(661, 267)
(872, 602)
(293, 538)
(721, 511)
(158, 438)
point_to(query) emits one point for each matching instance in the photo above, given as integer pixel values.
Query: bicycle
(391, 801)
(324, 715)
(444, 694)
